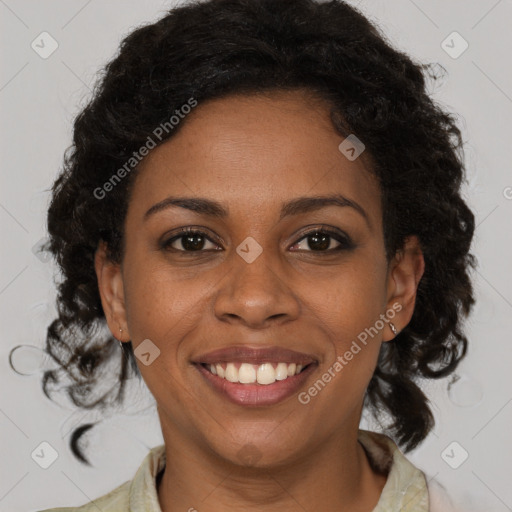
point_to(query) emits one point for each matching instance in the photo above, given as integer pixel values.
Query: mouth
(255, 377)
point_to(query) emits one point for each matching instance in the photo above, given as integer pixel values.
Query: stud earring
(120, 342)
(393, 328)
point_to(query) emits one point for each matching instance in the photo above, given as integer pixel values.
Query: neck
(336, 476)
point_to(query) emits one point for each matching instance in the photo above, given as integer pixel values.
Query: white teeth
(266, 374)
(281, 371)
(220, 371)
(247, 373)
(231, 373)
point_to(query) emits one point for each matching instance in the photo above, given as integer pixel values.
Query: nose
(256, 294)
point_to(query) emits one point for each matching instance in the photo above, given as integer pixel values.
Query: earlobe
(111, 289)
(405, 273)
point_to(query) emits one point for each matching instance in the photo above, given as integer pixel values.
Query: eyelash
(345, 241)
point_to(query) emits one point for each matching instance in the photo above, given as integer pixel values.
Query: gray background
(38, 100)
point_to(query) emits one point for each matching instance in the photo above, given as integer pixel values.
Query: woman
(262, 204)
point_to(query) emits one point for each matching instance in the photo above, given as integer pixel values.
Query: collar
(405, 488)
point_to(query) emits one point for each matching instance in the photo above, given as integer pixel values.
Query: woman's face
(257, 278)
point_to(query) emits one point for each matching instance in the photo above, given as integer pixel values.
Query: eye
(190, 240)
(322, 240)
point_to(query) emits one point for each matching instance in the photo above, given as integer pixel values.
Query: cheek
(161, 304)
(351, 300)
(164, 310)
(350, 310)
(349, 315)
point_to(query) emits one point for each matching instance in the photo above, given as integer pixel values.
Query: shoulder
(116, 500)
(406, 486)
(136, 495)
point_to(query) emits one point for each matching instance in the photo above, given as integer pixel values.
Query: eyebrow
(294, 207)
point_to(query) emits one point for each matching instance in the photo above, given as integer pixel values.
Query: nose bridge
(258, 275)
(255, 289)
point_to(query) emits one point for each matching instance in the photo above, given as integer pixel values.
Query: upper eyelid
(322, 229)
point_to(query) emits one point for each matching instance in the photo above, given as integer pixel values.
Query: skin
(253, 153)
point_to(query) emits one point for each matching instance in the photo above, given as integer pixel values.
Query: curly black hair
(214, 48)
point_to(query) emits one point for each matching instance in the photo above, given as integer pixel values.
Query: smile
(255, 376)
(246, 373)
(270, 391)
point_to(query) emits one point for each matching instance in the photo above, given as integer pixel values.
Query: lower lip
(257, 394)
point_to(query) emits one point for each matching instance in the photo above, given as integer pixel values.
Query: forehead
(253, 153)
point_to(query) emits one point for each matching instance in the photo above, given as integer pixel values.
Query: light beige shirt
(405, 489)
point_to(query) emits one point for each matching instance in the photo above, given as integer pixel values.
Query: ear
(404, 274)
(110, 284)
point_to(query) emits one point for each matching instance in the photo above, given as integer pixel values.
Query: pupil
(189, 244)
(321, 241)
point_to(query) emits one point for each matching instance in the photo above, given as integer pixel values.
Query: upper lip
(245, 354)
